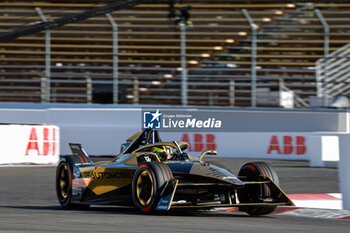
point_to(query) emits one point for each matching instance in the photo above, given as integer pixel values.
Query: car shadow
(133, 211)
(32, 207)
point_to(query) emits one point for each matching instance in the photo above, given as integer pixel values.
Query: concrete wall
(321, 149)
(278, 120)
(102, 128)
(344, 171)
(101, 132)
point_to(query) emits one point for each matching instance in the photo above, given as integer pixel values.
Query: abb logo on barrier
(47, 144)
(200, 142)
(287, 145)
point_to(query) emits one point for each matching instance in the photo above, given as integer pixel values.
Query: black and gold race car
(158, 176)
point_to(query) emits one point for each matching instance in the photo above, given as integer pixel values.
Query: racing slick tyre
(256, 193)
(149, 182)
(64, 175)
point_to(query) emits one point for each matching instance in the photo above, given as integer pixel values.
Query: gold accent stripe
(196, 184)
(257, 182)
(179, 206)
(172, 196)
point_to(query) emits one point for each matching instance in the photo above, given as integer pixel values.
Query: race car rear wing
(80, 153)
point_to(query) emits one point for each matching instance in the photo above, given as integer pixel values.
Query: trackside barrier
(319, 148)
(326, 153)
(278, 134)
(26, 144)
(100, 130)
(344, 171)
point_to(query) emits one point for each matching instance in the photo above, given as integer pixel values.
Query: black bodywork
(138, 177)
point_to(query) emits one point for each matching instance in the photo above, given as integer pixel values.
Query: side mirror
(207, 152)
(184, 147)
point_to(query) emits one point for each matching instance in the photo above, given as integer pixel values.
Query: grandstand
(290, 39)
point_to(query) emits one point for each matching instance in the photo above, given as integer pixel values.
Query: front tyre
(257, 193)
(148, 184)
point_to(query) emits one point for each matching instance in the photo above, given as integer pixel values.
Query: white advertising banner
(292, 146)
(27, 144)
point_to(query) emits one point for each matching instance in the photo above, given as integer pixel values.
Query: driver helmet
(163, 154)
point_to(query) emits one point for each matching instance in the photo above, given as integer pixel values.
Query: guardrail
(333, 74)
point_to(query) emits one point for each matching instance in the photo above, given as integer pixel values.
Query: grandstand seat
(290, 40)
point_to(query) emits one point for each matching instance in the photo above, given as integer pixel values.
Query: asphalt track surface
(28, 204)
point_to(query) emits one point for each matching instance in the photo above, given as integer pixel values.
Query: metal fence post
(326, 54)
(232, 93)
(89, 89)
(183, 65)
(136, 91)
(46, 81)
(280, 91)
(115, 59)
(253, 58)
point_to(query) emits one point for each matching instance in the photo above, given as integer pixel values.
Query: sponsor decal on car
(108, 175)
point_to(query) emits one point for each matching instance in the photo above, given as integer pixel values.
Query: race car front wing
(277, 197)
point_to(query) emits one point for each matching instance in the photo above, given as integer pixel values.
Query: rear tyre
(256, 193)
(64, 175)
(149, 182)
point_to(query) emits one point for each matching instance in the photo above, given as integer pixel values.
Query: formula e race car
(158, 176)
